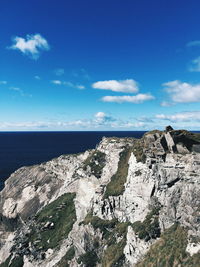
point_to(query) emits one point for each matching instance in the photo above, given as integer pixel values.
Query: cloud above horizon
(31, 45)
(136, 99)
(180, 116)
(102, 117)
(182, 92)
(99, 120)
(123, 86)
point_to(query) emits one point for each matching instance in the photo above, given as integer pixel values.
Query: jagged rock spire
(168, 128)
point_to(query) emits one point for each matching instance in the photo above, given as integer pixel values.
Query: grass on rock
(116, 186)
(64, 262)
(54, 222)
(96, 161)
(170, 250)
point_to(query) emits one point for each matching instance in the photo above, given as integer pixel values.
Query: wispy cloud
(166, 104)
(100, 120)
(137, 99)
(59, 72)
(57, 82)
(195, 65)
(32, 45)
(70, 84)
(180, 116)
(81, 87)
(37, 77)
(182, 92)
(145, 119)
(81, 74)
(17, 89)
(20, 91)
(3, 82)
(24, 125)
(124, 86)
(193, 43)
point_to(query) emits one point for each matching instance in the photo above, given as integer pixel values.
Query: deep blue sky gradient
(96, 41)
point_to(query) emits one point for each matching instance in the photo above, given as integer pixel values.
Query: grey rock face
(162, 170)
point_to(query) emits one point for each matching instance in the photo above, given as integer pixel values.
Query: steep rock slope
(128, 202)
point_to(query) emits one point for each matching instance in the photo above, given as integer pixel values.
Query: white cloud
(193, 43)
(3, 82)
(32, 45)
(100, 115)
(181, 92)
(59, 72)
(103, 118)
(129, 125)
(20, 91)
(181, 116)
(81, 87)
(25, 125)
(37, 77)
(125, 86)
(100, 120)
(17, 89)
(195, 65)
(166, 104)
(144, 119)
(58, 82)
(137, 99)
(70, 84)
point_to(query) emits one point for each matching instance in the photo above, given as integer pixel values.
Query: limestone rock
(125, 190)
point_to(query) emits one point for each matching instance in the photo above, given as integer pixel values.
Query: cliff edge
(129, 202)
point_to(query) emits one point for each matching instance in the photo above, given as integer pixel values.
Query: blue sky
(99, 65)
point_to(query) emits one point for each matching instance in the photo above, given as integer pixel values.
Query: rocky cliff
(129, 202)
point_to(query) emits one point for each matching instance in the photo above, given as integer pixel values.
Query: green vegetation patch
(170, 250)
(138, 151)
(149, 228)
(112, 231)
(64, 262)
(114, 253)
(89, 259)
(116, 186)
(6, 263)
(187, 138)
(54, 222)
(105, 226)
(153, 132)
(96, 161)
(16, 262)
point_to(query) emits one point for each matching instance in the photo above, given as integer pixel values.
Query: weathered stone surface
(163, 171)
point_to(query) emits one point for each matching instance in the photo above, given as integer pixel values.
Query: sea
(19, 149)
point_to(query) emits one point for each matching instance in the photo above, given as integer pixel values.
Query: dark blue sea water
(19, 149)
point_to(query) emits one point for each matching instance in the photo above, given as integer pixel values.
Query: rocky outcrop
(111, 206)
